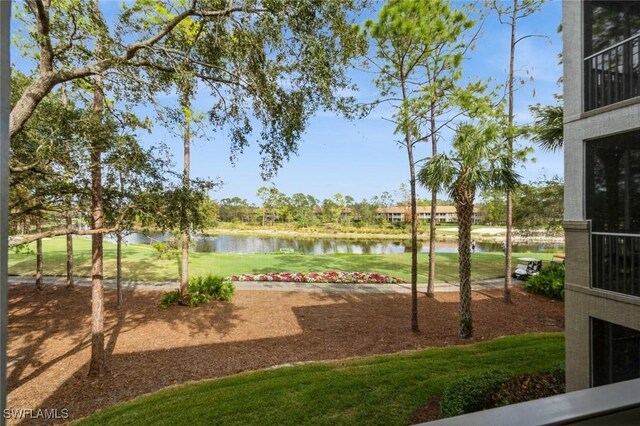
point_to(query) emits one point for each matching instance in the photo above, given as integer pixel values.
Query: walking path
(494, 283)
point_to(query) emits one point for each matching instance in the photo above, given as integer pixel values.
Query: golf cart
(527, 267)
(557, 260)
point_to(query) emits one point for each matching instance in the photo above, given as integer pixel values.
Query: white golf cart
(527, 267)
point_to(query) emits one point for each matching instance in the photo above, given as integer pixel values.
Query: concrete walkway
(495, 283)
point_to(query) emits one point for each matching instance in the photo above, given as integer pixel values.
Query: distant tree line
(301, 209)
(537, 205)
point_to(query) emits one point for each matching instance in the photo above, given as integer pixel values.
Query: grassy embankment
(446, 232)
(141, 262)
(385, 390)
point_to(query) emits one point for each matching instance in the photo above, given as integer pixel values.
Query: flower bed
(322, 277)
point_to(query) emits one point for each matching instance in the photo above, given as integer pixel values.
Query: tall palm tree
(475, 163)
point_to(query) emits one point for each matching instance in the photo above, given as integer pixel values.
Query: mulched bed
(150, 348)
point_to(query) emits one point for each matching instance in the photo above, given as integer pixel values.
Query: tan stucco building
(602, 191)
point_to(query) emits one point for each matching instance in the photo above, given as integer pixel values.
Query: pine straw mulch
(150, 348)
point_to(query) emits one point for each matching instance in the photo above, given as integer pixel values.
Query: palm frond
(548, 126)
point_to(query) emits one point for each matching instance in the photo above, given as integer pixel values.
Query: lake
(226, 243)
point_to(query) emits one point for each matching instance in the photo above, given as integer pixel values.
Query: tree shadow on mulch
(146, 354)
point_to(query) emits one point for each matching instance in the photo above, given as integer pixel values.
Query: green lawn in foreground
(384, 390)
(140, 262)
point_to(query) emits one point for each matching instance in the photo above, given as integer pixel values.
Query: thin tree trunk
(68, 210)
(464, 209)
(97, 365)
(184, 276)
(432, 219)
(414, 221)
(509, 218)
(39, 283)
(70, 283)
(119, 298)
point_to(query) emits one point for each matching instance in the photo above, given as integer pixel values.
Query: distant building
(602, 191)
(444, 214)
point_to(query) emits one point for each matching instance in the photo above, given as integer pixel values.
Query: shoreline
(484, 235)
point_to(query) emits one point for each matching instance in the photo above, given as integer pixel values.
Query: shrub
(550, 282)
(527, 387)
(471, 393)
(165, 249)
(211, 287)
(201, 290)
(497, 388)
(170, 298)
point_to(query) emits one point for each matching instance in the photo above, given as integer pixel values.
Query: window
(615, 353)
(613, 205)
(609, 22)
(613, 183)
(611, 52)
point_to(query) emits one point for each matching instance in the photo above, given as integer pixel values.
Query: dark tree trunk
(68, 205)
(414, 220)
(39, 283)
(97, 365)
(509, 218)
(432, 219)
(184, 270)
(119, 298)
(68, 222)
(464, 208)
(27, 103)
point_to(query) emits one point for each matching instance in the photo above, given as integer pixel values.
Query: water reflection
(224, 243)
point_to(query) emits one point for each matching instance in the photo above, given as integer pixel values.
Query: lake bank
(449, 233)
(143, 263)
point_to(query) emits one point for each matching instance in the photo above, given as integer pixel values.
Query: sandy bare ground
(150, 348)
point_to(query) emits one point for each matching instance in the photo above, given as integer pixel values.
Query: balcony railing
(616, 262)
(611, 75)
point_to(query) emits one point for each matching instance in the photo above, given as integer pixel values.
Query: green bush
(471, 393)
(211, 287)
(166, 249)
(527, 387)
(170, 298)
(550, 282)
(201, 290)
(497, 388)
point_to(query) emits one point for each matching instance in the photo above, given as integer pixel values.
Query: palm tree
(474, 164)
(548, 126)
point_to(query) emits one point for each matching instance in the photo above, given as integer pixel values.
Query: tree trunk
(68, 205)
(464, 208)
(27, 103)
(39, 283)
(70, 283)
(119, 299)
(184, 270)
(414, 220)
(509, 218)
(97, 366)
(432, 219)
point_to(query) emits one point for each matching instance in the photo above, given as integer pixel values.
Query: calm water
(224, 243)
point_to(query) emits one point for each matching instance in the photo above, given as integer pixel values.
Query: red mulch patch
(150, 348)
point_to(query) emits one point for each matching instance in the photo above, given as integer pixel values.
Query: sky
(361, 158)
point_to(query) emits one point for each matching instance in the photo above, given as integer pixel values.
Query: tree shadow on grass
(263, 329)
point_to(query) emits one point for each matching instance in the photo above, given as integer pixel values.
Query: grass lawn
(385, 390)
(141, 262)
